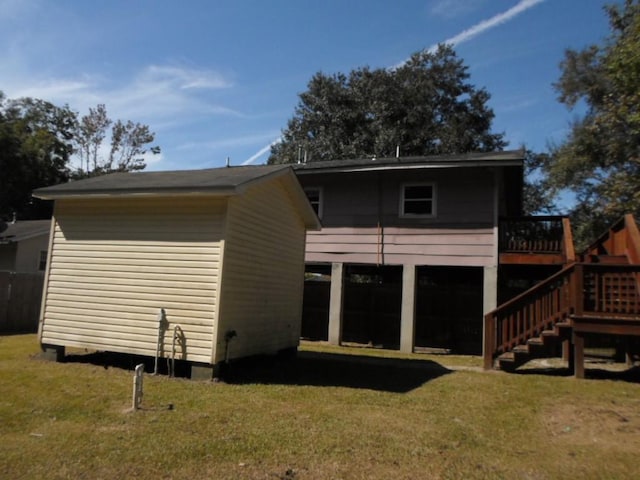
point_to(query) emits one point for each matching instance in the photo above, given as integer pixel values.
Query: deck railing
(528, 314)
(609, 290)
(538, 234)
(601, 291)
(622, 238)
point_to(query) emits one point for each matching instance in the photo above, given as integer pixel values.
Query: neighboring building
(408, 254)
(220, 250)
(23, 245)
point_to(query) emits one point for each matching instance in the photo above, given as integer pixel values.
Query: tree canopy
(36, 143)
(39, 140)
(425, 106)
(600, 159)
(128, 144)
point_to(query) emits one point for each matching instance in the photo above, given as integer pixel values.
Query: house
(23, 245)
(23, 259)
(214, 257)
(408, 255)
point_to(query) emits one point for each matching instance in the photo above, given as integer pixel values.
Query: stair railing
(529, 314)
(607, 291)
(633, 239)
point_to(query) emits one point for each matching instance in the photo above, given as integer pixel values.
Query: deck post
(488, 342)
(489, 303)
(578, 356)
(407, 315)
(335, 303)
(566, 350)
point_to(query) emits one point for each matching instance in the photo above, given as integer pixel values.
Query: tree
(127, 145)
(538, 196)
(36, 142)
(600, 159)
(92, 130)
(425, 106)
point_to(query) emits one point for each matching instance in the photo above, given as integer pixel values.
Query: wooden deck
(541, 240)
(597, 295)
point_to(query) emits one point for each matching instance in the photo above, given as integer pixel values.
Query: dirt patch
(614, 425)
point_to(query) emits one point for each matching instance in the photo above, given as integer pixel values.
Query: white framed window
(42, 262)
(314, 194)
(418, 200)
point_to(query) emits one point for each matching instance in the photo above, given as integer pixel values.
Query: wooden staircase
(597, 294)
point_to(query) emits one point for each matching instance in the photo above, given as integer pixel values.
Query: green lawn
(320, 417)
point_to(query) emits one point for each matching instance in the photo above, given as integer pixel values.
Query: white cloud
(156, 93)
(183, 78)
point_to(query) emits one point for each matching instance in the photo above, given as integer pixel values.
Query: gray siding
(263, 272)
(399, 246)
(115, 262)
(362, 224)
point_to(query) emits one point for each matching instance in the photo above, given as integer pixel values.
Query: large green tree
(36, 143)
(39, 142)
(425, 106)
(600, 159)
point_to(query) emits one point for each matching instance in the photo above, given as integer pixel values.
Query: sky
(220, 78)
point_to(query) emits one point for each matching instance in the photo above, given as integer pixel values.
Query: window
(42, 264)
(418, 200)
(314, 194)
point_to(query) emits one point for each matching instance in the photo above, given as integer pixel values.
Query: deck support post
(408, 309)
(566, 350)
(335, 303)
(489, 303)
(578, 355)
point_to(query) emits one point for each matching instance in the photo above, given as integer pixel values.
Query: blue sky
(216, 79)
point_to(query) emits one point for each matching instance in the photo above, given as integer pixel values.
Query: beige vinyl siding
(402, 246)
(116, 261)
(263, 272)
(28, 253)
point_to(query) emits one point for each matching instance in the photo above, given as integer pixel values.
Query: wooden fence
(20, 297)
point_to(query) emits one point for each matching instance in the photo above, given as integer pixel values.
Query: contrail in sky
(490, 23)
(464, 36)
(261, 152)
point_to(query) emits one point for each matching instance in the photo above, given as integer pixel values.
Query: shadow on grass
(306, 369)
(592, 372)
(330, 369)
(128, 362)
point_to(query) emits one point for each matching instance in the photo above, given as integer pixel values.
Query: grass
(319, 417)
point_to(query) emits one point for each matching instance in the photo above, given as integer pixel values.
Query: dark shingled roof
(511, 157)
(21, 230)
(214, 180)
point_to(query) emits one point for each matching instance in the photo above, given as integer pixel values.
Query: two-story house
(407, 256)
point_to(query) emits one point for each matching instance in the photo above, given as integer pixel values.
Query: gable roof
(224, 181)
(505, 158)
(221, 181)
(23, 230)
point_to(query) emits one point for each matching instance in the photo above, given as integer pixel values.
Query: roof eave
(415, 166)
(150, 192)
